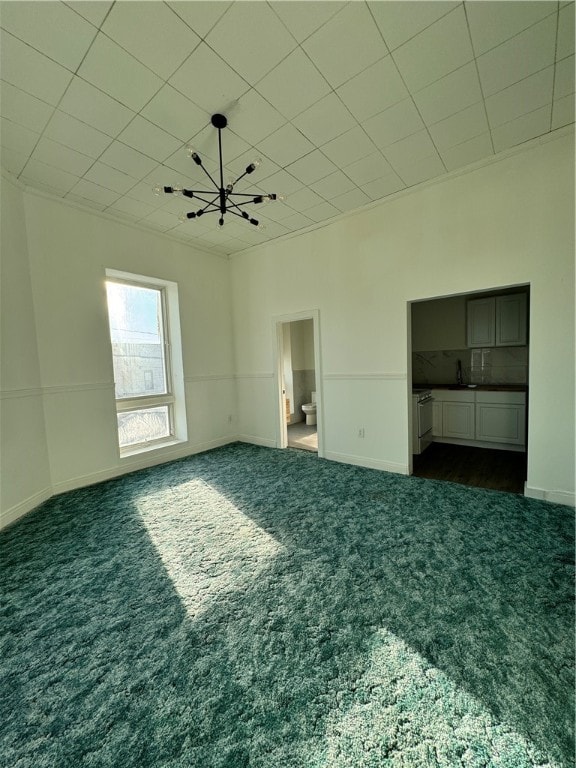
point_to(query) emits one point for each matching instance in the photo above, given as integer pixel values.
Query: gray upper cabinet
(497, 321)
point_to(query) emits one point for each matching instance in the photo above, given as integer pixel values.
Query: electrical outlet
(361, 432)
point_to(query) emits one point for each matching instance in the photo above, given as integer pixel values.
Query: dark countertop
(477, 388)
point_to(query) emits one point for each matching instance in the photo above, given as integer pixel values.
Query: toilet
(309, 409)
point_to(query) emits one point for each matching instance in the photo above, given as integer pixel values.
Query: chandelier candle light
(224, 202)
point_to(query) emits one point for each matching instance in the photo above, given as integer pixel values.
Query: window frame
(144, 402)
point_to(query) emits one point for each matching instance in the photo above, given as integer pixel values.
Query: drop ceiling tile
(21, 108)
(12, 160)
(175, 114)
(425, 169)
(296, 222)
(74, 134)
(384, 186)
(413, 148)
(110, 178)
(302, 17)
(25, 68)
(257, 178)
(283, 86)
(91, 106)
(143, 191)
(36, 172)
(451, 94)
(522, 129)
(564, 80)
(59, 156)
(158, 39)
(311, 167)
(468, 152)
(232, 35)
(427, 57)
(303, 199)
(400, 21)
(562, 112)
(368, 169)
(253, 118)
(84, 202)
(351, 30)
(325, 120)
(332, 186)
(102, 65)
(282, 183)
(285, 145)
(16, 137)
(375, 89)
(492, 22)
(519, 57)
(127, 160)
(134, 208)
(277, 211)
(565, 43)
(351, 200)
(51, 28)
(394, 123)
(216, 93)
(147, 138)
(518, 99)
(464, 125)
(90, 191)
(322, 212)
(200, 15)
(161, 220)
(93, 11)
(187, 172)
(348, 147)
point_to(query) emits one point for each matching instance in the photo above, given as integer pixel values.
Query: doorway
(298, 381)
(471, 353)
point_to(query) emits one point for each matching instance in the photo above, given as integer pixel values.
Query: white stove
(421, 419)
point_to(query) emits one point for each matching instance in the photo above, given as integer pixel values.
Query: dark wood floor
(480, 467)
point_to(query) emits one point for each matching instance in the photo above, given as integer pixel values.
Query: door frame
(278, 322)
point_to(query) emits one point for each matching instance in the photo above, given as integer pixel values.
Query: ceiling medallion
(224, 199)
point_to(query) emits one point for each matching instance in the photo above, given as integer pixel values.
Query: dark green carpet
(259, 608)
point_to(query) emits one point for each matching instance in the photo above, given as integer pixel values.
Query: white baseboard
(19, 510)
(363, 461)
(556, 497)
(263, 441)
(141, 461)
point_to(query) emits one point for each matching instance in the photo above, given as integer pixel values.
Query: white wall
(69, 250)
(25, 476)
(505, 223)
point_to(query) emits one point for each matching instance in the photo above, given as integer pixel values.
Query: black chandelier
(224, 200)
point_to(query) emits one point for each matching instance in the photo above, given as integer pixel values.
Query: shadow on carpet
(255, 607)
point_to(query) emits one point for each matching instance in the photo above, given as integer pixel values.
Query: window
(140, 331)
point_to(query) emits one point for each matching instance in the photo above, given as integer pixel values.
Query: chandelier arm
(246, 194)
(209, 202)
(240, 216)
(210, 177)
(235, 205)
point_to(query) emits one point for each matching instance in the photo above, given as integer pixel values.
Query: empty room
(287, 402)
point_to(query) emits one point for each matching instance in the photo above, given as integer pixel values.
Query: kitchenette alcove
(470, 356)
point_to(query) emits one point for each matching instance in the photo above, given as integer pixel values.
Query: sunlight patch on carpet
(207, 545)
(405, 712)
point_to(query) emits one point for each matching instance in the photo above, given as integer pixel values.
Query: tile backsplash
(492, 365)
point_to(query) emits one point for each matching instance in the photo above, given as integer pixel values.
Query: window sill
(126, 453)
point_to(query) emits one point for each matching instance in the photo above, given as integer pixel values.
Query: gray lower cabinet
(501, 417)
(483, 417)
(458, 420)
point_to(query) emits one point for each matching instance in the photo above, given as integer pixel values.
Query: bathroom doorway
(297, 381)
